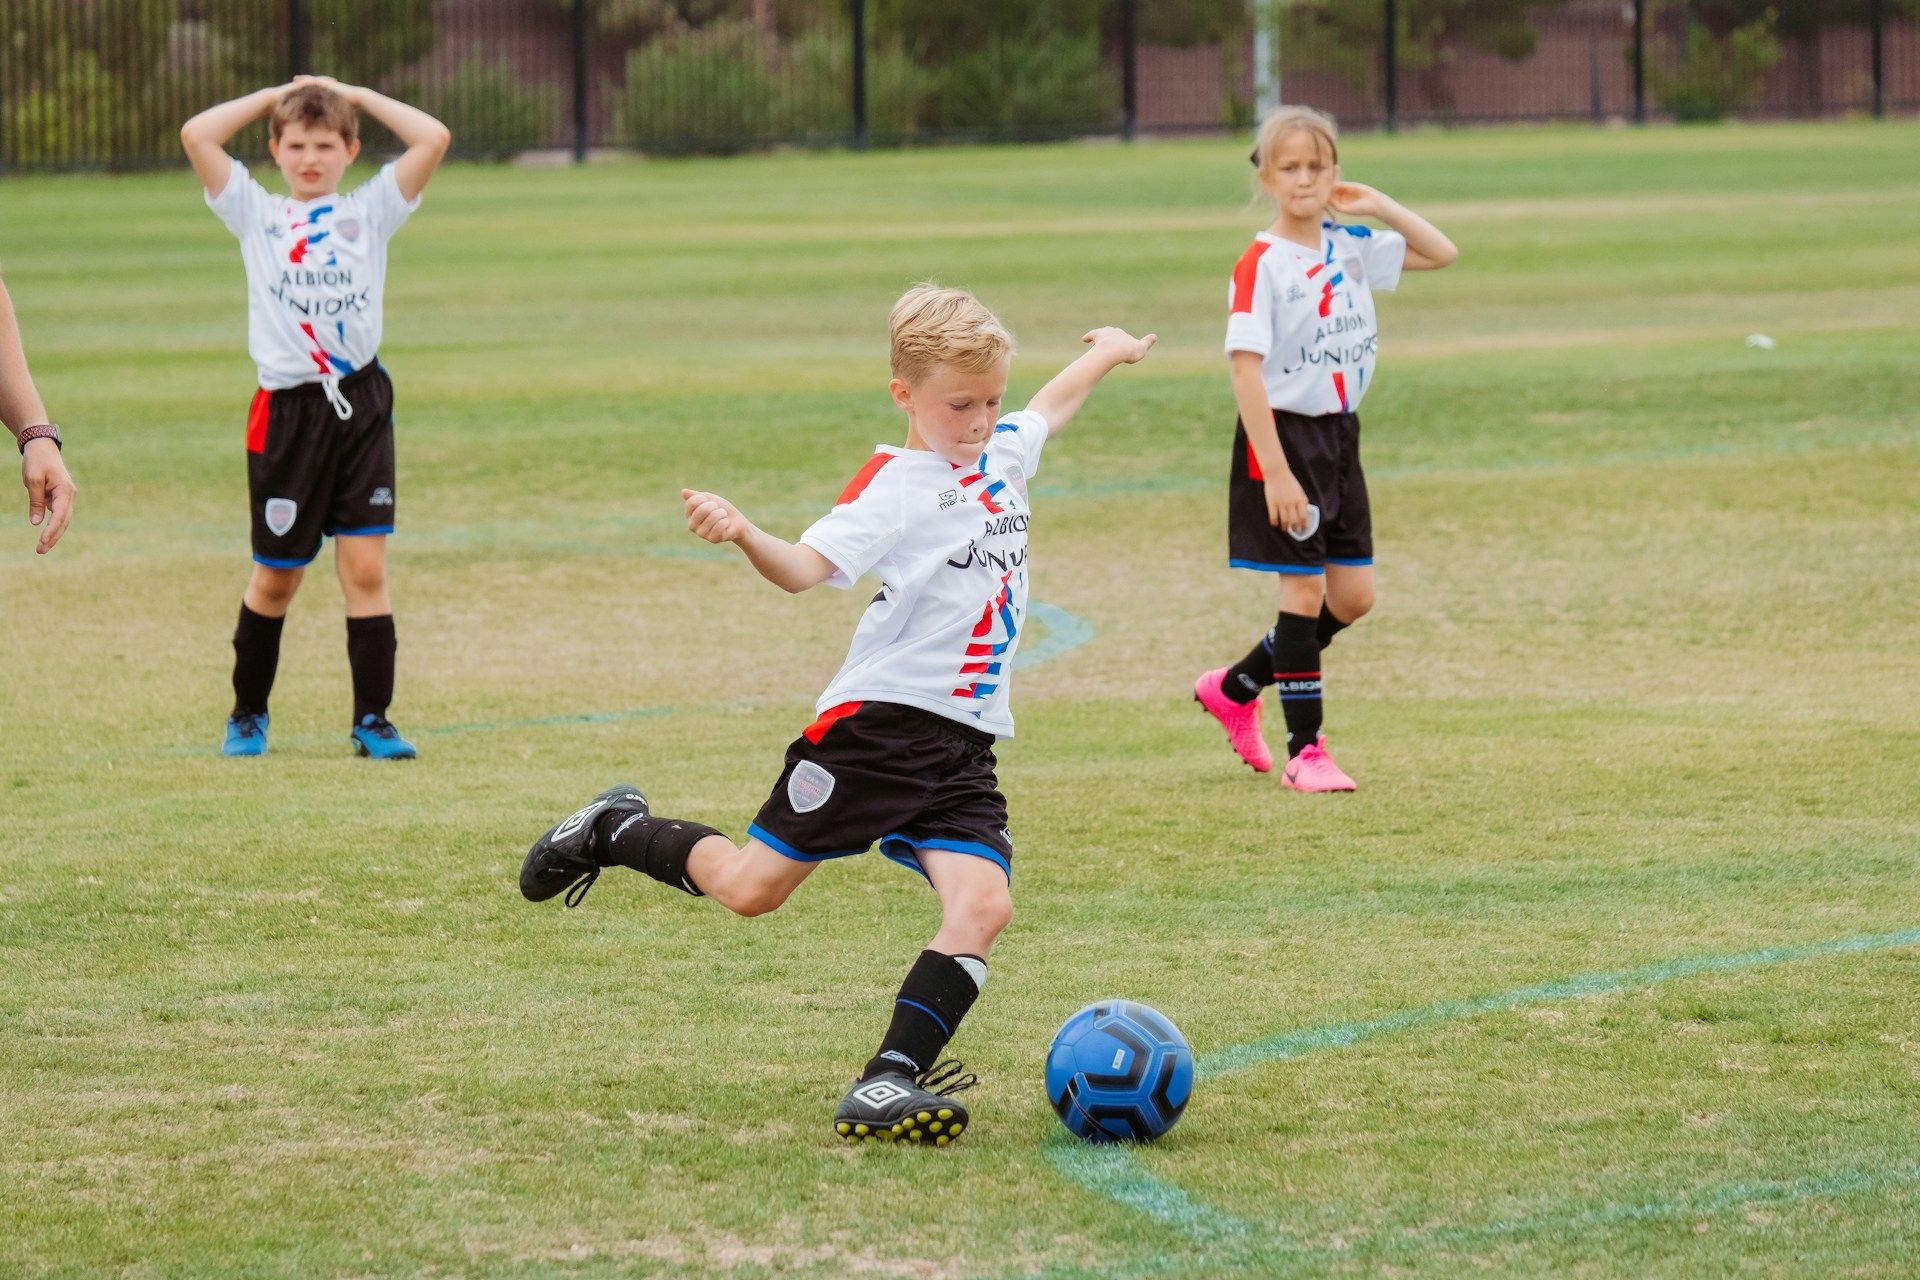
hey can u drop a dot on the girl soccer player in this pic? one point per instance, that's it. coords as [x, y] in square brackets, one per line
[1302, 341]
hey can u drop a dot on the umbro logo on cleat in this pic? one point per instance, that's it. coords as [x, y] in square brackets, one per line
[879, 1093]
[571, 827]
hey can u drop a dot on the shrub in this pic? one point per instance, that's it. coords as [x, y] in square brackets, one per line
[493, 116]
[696, 91]
[1713, 79]
[1045, 87]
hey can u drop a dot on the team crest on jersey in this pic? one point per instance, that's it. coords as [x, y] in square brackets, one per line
[808, 787]
[347, 228]
[1016, 478]
[279, 515]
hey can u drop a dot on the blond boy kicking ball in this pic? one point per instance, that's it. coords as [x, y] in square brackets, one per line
[901, 751]
[320, 430]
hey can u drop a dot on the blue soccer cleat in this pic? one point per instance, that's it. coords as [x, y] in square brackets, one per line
[376, 738]
[246, 736]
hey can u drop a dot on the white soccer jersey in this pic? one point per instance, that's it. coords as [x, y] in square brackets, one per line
[950, 546]
[1309, 314]
[316, 273]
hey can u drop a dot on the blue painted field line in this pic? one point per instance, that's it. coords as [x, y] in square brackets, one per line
[1293, 1044]
[1115, 1172]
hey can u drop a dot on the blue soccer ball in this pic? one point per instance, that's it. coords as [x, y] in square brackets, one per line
[1119, 1071]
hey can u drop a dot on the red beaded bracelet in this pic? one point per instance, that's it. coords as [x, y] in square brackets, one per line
[45, 431]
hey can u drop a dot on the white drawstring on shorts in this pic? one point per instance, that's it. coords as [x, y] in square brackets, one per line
[341, 407]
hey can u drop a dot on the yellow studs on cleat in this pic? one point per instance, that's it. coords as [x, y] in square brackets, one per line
[914, 1134]
[843, 1128]
[942, 1140]
[946, 1113]
[955, 1129]
[935, 1126]
[923, 1117]
[860, 1129]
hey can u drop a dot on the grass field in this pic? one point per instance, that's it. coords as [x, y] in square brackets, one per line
[1639, 699]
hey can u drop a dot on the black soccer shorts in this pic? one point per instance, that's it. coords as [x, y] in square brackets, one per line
[1324, 455]
[879, 772]
[313, 474]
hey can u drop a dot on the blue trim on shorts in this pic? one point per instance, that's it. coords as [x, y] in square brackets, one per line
[785, 850]
[945, 844]
[1358, 563]
[273, 563]
[1304, 570]
[368, 532]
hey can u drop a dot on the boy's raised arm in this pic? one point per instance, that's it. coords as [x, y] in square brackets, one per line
[790, 566]
[205, 135]
[1061, 398]
[425, 138]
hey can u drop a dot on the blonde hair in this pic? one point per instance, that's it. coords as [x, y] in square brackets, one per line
[932, 326]
[316, 107]
[1280, 122]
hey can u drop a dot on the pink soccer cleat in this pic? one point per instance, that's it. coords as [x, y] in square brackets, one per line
[1314, 770]
[1240, 720]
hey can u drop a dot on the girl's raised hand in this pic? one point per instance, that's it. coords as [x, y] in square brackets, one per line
[1356, 198]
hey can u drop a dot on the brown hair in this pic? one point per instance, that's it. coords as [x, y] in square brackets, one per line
[933, 326]
[1282, 121]
[317, 107]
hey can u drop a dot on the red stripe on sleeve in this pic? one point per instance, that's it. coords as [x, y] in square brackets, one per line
[858, 485]
[257, 421]
[1243, 276]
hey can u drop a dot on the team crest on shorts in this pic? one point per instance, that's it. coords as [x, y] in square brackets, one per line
[280, 513]
[808, 787]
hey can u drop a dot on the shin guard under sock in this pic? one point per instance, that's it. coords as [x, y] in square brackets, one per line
[1296, 670]
[256, 657]
[1329, 626]
[656, 847]
[1248, 678]
[937, 993]
[371, 647]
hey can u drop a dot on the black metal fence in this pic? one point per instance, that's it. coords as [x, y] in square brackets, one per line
[106, 83]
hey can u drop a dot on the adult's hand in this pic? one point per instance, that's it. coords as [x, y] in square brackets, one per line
[50, 491]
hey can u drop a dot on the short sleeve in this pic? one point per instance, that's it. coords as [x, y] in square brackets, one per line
[1018, 439]
[1383, 253]
[1250, 302]
[239, 201]
[862, 527]
[380, 197]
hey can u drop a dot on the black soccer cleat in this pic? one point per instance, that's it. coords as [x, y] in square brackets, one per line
[896, 1107]
[564, 859]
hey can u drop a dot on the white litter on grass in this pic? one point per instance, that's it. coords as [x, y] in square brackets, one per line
[1760, 340]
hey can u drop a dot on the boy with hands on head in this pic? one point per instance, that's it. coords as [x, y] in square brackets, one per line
[901, 750]
[320, 457]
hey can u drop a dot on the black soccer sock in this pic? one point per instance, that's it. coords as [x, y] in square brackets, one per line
[256, 657]
[937, 993]
[1248, 678]
[1329, 626]
[1296, 669]
[370, 650]
[656, 847]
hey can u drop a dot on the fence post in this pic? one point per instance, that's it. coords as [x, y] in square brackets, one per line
[296, 38]
[1640, 61]
[859, 14]
[580, 81]
[1129, 70]
[1390, 55]
[1879, 21]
